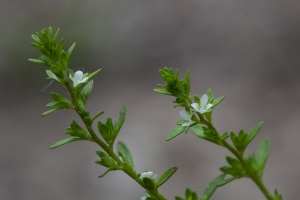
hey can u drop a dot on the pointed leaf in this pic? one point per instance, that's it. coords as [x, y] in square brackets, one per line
[86, 91]
[166, 175]
[212, 187]
[91, 75]
[217, 101]
[64, 141]
[263, 153]
[125, 154]
[119, 123]
[48, 112]
[177, 131]
[253, 132]
[162, 91]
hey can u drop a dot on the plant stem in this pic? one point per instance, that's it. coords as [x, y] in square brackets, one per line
[128, 170]
[257, 180]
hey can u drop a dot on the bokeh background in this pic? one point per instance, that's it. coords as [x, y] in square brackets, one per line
[248, 51]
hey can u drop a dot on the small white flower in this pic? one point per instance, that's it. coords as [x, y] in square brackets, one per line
[78, 78]
[148, 174]
[204, 105]
[186, 116]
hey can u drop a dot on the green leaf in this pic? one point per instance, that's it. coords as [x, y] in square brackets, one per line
[65, 141]
[52, 76]
[104, 131]
[162, 91]
[226, 181]
[107, 161]
[166, 175]
[91, 75]
[210, 94]
[149, 183]
[177, 131]
[125, 154]
[216, 101]
[253, 132]
[212, 187]
[86, 91]
[119, 123]
[78, 131]
[97, 115]
[36, 61]
[200, 131]
[263, 153]
[48, 112]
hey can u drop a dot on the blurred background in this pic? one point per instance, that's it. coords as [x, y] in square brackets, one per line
[247, 51]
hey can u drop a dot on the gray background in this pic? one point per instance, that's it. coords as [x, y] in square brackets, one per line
[247, 51]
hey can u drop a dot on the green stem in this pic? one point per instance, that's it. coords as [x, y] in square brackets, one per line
[125, 168]
[256, 179]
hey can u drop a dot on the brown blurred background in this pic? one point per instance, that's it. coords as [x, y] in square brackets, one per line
[248, 51]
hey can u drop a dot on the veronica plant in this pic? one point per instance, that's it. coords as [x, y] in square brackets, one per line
[195, 116]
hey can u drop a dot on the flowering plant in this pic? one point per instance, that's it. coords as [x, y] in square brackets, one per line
[196, 116]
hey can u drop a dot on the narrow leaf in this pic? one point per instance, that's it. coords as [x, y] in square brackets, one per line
[48, 112]
[125, 154]
[217, 101]
[177, 131]
[64, 141]
[263, 153]
[166, 175]
[119, 123]
[86, 91]
[162, 91]
[253, 132]
[212, 187]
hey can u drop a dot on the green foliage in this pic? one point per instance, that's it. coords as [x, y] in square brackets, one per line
[53, 56]
[197, 116]
[77, 131]
[177, 131]
[166, 175]
[65, 141]
[59, 102]
[109, 131]
[108, 162]
[189, 195]
[125, 154]
[242, 140]
[179, 88]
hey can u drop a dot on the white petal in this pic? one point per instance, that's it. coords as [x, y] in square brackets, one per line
[184, 115]
[196, 106]
[204, 100]
[203, 111]
[78, 75]
[208, 106]
[148, 175]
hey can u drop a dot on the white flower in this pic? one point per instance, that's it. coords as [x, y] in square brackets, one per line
[78, 78]
[186, 116]
[148, 174]
[204, 105]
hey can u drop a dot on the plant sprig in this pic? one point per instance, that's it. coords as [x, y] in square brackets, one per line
[197, 117]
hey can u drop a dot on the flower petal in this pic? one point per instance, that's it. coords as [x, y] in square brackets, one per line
[196, 106]
[204, 100]
[184, 115]
[208, 106]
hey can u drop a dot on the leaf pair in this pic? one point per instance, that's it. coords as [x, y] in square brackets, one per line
[59, 102]
[74, 130]
[109, 131]
[242, 140]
